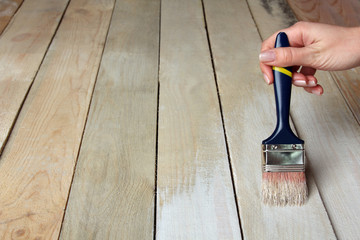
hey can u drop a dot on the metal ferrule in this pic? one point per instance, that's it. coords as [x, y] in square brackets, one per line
[283, 157]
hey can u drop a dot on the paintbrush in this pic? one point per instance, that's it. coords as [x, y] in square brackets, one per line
[283, 154]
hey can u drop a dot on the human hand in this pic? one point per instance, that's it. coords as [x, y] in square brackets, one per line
[314, 46]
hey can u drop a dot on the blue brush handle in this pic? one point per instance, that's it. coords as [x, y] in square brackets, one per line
[282, 88]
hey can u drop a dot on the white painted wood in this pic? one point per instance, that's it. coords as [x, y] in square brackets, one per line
[195, 198]
[332, 137]
[112, 195]
[249, 111]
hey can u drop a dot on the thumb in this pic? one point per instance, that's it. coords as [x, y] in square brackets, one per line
[286, 56]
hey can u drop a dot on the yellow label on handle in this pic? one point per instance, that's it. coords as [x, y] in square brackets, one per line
[283, 70]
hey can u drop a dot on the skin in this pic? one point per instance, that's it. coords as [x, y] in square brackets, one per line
[314, 46]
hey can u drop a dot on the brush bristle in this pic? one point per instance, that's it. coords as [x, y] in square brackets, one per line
[284, 188]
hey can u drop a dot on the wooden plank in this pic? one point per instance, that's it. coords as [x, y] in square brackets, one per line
[278, 10]
[340, 12]
[331, 135]
[344, 13]
[7, 10]
[249, 113]
[22, 48]
[349, 85]
[195, 198]
[115, 176]
[36, 167]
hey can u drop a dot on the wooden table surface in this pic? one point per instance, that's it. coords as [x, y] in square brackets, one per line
[132, 119]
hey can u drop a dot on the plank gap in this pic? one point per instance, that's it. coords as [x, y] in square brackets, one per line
[156, 153]
[157, 127]
[253, 18]
[222, 119]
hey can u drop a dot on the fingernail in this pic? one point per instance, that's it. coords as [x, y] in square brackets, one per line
[267, 56]
[300, 83]
[267, 80]
[312, 83]
[316, 92]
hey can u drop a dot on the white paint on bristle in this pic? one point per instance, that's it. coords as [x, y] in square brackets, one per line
[284, 188]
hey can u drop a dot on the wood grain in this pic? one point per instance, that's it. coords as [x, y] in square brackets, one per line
[343, 13]
[37, 164]
[331, 134]
[112, 195]
[195, 198]
[7, 10]
[340, 12]
[249, 112]
[22, 48]
[349, 85]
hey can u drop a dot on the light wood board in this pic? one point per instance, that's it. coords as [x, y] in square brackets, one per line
[7, 10]
[195, 198]
[332, 139]
[339, 12]
[248, 105]
[22, 48]
[349, 85]
[37, 164]
[112, 195]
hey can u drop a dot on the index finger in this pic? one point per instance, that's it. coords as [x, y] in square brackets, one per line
[294, 33]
